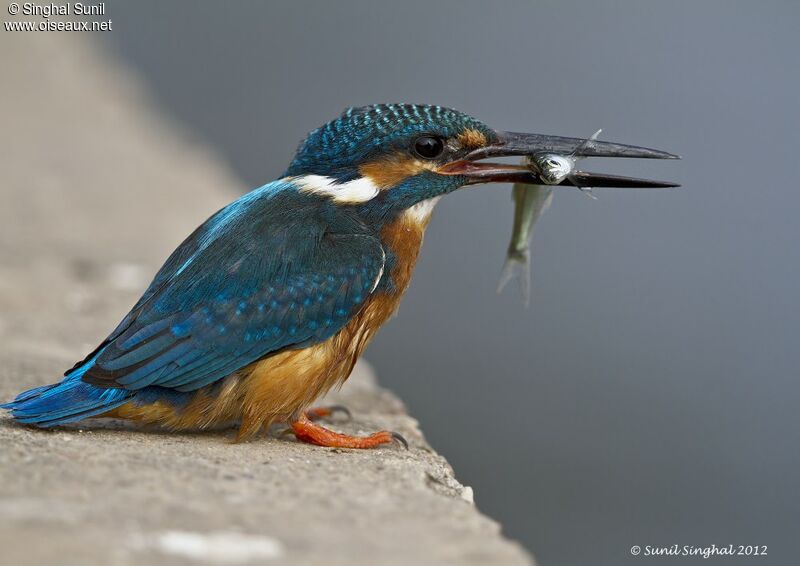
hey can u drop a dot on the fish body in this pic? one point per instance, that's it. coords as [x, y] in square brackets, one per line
[530, 202]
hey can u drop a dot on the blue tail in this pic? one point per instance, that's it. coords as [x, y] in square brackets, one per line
[66, 402]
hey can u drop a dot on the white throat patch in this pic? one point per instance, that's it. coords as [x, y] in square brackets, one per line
[355, 191]
[422, 211]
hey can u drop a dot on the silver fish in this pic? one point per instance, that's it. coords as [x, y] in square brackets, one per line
[530, 202]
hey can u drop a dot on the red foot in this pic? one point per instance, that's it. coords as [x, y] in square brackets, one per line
[307, 431]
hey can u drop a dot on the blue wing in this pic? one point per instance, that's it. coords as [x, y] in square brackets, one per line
[276, 269]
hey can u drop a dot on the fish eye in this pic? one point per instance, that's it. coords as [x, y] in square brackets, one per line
[428, 147]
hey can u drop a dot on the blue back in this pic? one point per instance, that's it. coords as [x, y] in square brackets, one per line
[275, 269]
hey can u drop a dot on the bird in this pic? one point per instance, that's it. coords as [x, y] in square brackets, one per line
[270, 302]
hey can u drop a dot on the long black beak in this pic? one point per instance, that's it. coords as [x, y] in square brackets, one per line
[516, 144]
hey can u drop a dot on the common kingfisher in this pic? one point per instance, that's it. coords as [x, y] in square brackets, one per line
[270, 302]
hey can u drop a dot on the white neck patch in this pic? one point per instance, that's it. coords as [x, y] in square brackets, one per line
[358, 190]
[422, 211]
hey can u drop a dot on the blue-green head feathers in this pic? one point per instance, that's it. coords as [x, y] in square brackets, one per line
[384, 157]
[364, 133]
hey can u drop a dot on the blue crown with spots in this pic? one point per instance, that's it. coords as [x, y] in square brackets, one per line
[359, 133]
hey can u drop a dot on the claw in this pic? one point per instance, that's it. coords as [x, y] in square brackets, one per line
[399, 438]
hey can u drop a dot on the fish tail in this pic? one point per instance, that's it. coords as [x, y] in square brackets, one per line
[519, 264]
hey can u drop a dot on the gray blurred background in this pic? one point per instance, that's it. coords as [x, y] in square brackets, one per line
[649, 395]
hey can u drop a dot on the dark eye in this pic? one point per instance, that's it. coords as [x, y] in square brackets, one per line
[428, 147]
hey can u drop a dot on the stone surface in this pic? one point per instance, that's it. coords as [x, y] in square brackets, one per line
[97, 189]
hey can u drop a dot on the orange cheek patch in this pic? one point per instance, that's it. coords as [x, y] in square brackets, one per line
[391, 171]
[472, 139]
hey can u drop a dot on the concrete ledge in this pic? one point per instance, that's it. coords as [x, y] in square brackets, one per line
[97, 189]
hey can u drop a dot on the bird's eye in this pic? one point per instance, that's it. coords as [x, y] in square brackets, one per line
[428, 147]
